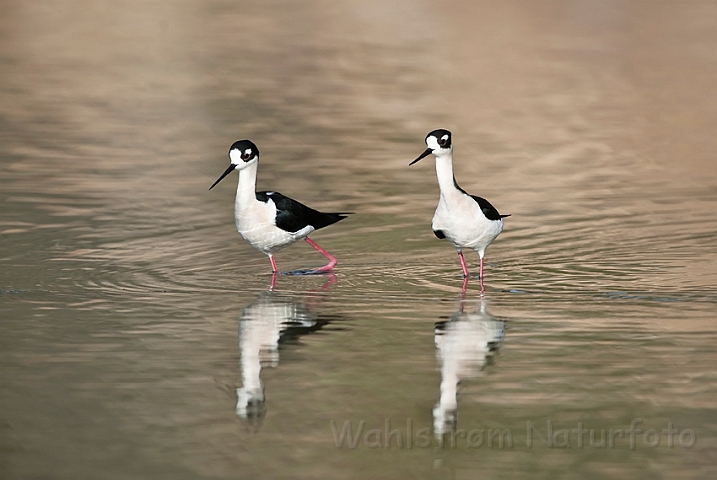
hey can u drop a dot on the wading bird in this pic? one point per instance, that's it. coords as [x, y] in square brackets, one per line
[269, 221]
[464, 220]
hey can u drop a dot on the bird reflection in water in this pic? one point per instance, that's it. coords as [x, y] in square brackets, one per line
[270, 320]
[465, 344]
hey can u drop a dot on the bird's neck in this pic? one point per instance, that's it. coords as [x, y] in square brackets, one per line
[246, 190]
[444, 172]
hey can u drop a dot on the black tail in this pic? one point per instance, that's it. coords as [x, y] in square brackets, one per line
[325, 219]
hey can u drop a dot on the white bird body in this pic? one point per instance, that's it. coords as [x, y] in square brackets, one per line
[256, 220]
[477, 235]
[459, 216]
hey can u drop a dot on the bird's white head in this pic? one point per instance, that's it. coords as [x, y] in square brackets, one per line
[241, 154]
[439, 144]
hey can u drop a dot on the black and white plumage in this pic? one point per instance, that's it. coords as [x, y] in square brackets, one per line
[467, 221]
[270, 221]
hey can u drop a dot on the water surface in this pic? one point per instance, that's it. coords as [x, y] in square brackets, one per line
[141, 338]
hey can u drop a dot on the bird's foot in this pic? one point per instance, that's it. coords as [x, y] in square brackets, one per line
[318, 271]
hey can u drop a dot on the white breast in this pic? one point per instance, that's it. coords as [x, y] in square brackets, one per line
[464, 224]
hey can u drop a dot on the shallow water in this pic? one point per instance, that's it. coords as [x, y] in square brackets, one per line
[138, 335]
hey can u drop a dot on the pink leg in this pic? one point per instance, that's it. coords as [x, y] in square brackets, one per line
[463, 291]
[273, 282]
[273, 264]
[332, 261]
[463, 264]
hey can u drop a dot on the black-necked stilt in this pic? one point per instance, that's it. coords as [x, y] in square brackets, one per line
[269, 221]
[464, 220]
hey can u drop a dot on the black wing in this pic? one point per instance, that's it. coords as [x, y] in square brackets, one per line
[292, 216]
[488, 210]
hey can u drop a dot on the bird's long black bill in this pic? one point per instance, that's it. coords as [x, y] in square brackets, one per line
[424, 154]
[226, 172]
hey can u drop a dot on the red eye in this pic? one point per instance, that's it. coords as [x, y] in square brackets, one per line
[442, 142]
[245, 156]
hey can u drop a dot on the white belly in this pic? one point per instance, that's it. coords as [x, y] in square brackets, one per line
[255, 224]
[464, 224]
